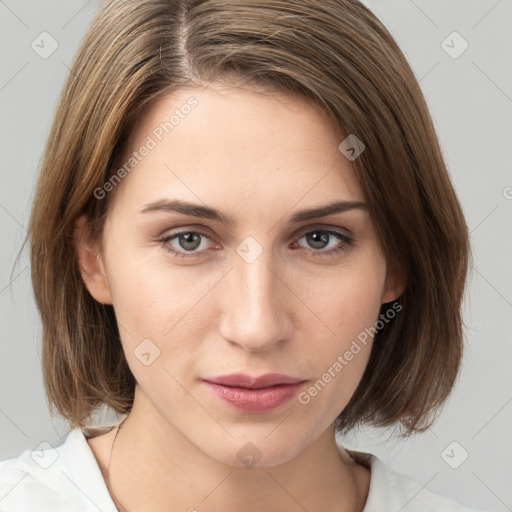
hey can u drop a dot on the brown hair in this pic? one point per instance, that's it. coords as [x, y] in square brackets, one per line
[335, 53]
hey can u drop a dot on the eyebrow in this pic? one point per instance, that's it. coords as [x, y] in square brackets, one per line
[205, 212]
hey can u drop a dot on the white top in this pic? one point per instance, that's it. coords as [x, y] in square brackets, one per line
[68, 479]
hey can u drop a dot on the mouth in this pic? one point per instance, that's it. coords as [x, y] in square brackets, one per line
[254, 394]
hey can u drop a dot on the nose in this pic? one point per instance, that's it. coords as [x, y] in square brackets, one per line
[256, 308]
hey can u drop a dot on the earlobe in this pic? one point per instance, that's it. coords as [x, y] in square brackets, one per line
[90, 263]
[394, 287]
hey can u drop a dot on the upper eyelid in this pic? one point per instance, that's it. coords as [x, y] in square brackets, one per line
[303, 229]
[323, 227]
[299, 233]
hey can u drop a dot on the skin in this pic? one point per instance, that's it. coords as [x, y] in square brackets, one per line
[260, 158]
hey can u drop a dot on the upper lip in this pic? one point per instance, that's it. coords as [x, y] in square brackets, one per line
[246, 381]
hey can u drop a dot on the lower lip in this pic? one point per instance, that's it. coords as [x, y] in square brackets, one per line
[255, 400]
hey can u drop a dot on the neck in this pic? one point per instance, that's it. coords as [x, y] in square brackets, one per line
[153, 465]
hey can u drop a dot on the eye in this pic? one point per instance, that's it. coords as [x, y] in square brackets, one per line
[188, 242]
[320, 239]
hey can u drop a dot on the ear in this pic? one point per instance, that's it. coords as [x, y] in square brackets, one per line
[394, 286]
[90, 262]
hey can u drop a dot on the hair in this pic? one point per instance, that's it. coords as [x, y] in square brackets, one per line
[336, 54]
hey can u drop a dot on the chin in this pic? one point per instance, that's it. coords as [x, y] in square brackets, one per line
[261, 451]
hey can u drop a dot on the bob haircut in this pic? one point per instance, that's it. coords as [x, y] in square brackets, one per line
[337, 55]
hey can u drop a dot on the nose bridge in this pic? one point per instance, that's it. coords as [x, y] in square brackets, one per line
[255, 313]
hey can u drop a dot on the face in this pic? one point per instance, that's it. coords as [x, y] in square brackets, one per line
[198, 297]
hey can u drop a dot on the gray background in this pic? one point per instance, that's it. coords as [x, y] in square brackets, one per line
[470, 98]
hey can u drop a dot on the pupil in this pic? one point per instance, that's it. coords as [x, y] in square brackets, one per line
[189, 239]
[319, 237]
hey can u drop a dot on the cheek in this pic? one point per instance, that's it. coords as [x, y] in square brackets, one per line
[348, 307]
[348, 299]
[155, 314]
[340, 357]
[150, 296]
[163, 313]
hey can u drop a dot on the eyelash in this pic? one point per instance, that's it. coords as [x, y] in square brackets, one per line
[348, 242]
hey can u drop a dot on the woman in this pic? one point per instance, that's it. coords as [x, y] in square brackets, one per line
[244, 240]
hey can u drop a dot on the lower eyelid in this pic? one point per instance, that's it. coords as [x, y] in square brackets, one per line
[167, 239]
[345, 240]
[346, 243]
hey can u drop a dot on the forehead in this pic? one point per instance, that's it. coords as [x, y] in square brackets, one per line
[225, 144]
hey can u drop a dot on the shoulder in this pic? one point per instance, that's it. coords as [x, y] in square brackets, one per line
[391, 491]
[34, 480]
[63, 478]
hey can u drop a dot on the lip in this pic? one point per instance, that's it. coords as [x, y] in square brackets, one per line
[254, 394]
[246, 381]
